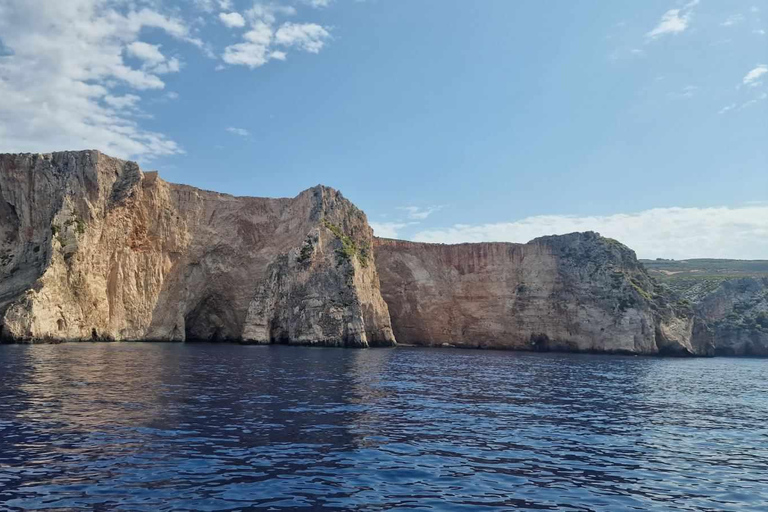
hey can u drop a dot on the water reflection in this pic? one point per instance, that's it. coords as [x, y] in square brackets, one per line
[212, 427]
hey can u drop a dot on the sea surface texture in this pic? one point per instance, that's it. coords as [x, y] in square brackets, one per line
[134, 426]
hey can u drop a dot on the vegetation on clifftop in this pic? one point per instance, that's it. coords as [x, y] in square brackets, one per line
[349, 247]
[694, 279]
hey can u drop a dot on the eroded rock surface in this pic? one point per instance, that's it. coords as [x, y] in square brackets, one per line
[92, 248]
[734, 317]
[578, 292]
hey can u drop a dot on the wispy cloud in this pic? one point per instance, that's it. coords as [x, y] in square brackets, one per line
[242, 132]
[760, 97]
[212, 5]
[388, 229]
[689, 91]
[752, 78]
[674, 21]
[732, 20]
[419, 212]
[734, 107]
[661, 232]
[318, 3]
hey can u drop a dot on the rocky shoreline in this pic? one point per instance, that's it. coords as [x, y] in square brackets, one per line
[94, 249]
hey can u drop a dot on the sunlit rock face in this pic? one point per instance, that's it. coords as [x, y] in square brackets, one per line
[93, 248]
[578, 292]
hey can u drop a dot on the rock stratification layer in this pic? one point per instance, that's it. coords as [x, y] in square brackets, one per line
[578, 292]
[92, 248]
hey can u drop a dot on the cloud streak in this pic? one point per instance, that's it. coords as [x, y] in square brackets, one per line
[388, 229]
[241, 132]
[752, 79]
[740, 233]
[419, 212]
[674, 21]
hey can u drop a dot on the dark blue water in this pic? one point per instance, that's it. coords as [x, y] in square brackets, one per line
[207, 427]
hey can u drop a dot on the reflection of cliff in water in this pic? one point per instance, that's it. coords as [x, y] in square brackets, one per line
[74, 403]
[153, 404]
[314, 396]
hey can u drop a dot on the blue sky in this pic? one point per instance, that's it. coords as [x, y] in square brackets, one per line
[444, 120]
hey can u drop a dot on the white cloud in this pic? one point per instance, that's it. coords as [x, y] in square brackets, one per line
[674, 21]
[732, 20]
[242, 132]
[74, 73]
[319, 3]
[154, 60]
[662, 232]
[760, 97]
[752, 78]
[254, 51]
[149, 53]
[232, 19]
[66, 58]
[418, 212]
[727, 108]
[759, 31]
[268, 13]
[387, 229]
[121, 102]
[212, 5]
[309, 37]
[687, 92]
[259, 43]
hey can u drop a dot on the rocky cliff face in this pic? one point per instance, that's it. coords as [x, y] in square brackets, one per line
[92, 248]
[578, 292]
[734, 317]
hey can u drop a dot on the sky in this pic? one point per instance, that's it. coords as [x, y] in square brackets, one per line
[444, 120]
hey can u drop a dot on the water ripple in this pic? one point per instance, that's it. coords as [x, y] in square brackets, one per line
[203, 427]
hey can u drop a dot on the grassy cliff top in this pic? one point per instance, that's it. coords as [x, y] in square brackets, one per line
[704, 274]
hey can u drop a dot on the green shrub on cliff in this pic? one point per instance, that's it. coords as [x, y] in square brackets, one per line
[306, 250]
[349, 248]
[79, 226]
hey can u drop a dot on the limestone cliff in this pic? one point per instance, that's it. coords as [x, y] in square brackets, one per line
[92, 248]
[734, 317]
[578, 292]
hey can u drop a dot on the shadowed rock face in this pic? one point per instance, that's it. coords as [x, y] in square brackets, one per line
[578, 292]
[92, 248]
[734, 317]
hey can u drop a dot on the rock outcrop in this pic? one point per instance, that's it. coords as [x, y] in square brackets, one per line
[578, 292]
[93, 248]
[734, 317]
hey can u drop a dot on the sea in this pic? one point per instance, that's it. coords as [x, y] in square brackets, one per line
[156, 427]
